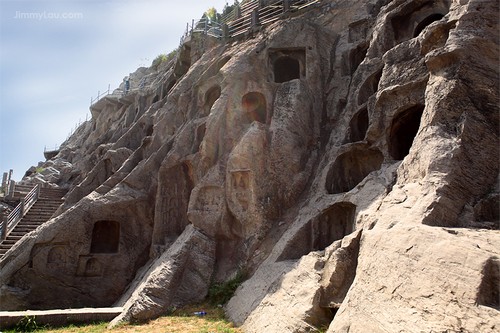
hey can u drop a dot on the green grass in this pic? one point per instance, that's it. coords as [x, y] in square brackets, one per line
[180, 320]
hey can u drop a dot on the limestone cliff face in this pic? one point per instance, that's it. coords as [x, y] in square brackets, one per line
[346, 158]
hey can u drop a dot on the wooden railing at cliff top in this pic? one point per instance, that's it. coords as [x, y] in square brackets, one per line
[246, 16]
[9, 222]
[242, 19]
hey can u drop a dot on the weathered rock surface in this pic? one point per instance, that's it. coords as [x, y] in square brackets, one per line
[346, 158]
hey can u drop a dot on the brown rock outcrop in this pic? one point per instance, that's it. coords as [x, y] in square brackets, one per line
[346, 158]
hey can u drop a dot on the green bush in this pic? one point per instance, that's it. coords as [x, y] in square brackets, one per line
[221, 292]
[27, 324]
[161, 58]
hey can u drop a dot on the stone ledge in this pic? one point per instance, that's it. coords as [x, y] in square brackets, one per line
[59, 317]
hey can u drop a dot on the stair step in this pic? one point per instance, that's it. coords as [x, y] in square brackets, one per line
[12, 238]
[42, 211]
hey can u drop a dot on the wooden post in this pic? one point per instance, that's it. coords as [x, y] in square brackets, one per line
[22, 208]
[225, 31]
[10, 190]
[3, 232]
[286, 5]
[4, 182]
[237, 12]
[255, 18]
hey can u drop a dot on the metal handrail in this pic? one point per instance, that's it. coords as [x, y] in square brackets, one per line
[10, 221]
[99, 95]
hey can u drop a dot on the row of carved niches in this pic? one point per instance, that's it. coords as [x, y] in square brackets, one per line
[352, 166]
[105, 241]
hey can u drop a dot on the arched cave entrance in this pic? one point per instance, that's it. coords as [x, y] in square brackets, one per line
[369, 87]
[427, 21]
[105, 237]
[331, 225]
[352, 59]
[351, 167]
[358, 126]
[415, 16]
[286, 69]
[255, 107]
[211, 96]
[403, 130]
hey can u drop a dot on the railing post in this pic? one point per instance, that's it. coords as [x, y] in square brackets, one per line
[4, 182]
[255, 18]
[22, 203]
[237, 12]
[10, 190]
[225, 31]
[3, 232]
[286, 5]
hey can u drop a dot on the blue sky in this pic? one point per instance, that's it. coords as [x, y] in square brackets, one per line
[55, 55]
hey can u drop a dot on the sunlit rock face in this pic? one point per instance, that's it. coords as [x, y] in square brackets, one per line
[345, 158]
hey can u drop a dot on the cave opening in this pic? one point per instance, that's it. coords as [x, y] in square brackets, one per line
[356, 57]
[369, 87]
[155, 99]
[427, 21]
[255, 106]
[286, 69]
[211, 96]
[333, 224]
[350, 168]
[414, 17]
[403, 130]
[105, 237]
[358, 126]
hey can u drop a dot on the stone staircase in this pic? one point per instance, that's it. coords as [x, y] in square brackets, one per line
[40, 212]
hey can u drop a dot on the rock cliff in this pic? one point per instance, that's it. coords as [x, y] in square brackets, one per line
[346, 158]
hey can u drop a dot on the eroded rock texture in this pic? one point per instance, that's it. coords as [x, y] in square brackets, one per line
[345, 158]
